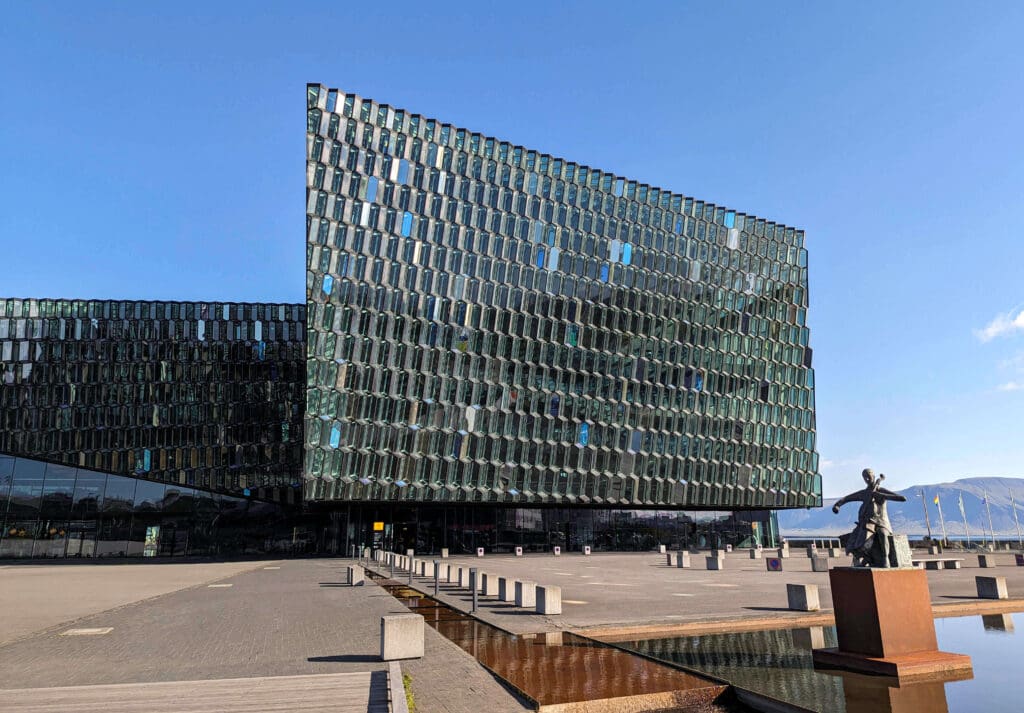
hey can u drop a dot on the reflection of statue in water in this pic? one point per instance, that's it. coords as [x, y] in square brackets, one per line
[869, 541]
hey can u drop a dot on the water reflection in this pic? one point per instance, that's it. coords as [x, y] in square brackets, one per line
[997, 622]
[778, 663]
[559, 667]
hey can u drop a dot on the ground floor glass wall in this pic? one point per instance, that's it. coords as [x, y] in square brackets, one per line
[461, 529]
[49, 510]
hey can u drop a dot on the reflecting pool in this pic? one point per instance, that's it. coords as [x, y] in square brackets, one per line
[778, 664]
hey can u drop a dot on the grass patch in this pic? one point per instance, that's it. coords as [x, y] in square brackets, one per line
[409, 700]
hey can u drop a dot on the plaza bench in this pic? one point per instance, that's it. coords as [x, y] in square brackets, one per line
[938, 563]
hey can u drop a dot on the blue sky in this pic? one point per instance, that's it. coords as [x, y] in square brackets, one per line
[156, 151]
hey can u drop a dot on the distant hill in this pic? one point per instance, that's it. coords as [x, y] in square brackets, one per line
[908, 517]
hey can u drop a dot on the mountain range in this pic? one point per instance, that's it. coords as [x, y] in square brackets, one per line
[909, 518]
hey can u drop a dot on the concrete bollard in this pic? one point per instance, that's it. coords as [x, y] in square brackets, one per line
[489, 584]
[1019, 560]
[662, 549]
[728, 548]
[991, 587]
[668, 558]
[951, 564]
[479, 551]
[446, 572]
[429, 569]
[934, 550]
[557, 551]
[986, 561]
[519, 551]
[803, 597]
[549, 599]
[683, 560]
[715, 562]
[401, 637]
[356, 576]
[810, 638]
[526, 594]
[464, 577]
[506, 589]
[719, 553]
[410, 553]
[819, 564]
[423, 568]
[812, 551]
[783, 553]
[586, 550]
[366, 553]
[835, 552]
[444, 553]
[755, 554]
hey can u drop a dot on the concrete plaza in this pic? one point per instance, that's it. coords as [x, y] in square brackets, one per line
[605, 594]
[239, 627]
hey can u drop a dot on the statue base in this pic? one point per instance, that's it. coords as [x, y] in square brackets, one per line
[884, 625]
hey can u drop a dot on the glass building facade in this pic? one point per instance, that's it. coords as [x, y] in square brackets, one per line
[490, 324]
[50, 510]
[499, 348]
[206, 395]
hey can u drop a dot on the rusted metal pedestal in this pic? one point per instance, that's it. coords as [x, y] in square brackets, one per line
[884, 625]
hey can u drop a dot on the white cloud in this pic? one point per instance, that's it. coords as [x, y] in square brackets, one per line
[1014, 363]
[1006, 323]
[1011, 386]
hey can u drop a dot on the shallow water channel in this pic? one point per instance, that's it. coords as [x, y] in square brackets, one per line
[562, 668]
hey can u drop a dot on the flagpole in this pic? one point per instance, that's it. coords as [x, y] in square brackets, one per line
[963, 514]
[1013, 506]
[945, 540]
[991, 530]
[927, 522]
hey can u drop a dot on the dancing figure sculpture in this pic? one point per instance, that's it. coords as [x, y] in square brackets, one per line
[869, 543]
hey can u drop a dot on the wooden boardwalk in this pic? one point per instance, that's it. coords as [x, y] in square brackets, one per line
[327, 693]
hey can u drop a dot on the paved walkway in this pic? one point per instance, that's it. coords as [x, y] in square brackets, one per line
[299, 694]
[45, 595]
[291, 618]
[612, 591]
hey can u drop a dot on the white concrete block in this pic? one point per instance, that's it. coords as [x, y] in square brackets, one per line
[557, 551]
[526, 594]
[549, 599]
[683, 560]
[479, 551]
[755, 554]
[401, 636]
[986, 561]
[489, 584]
[586, 549]
[819, 564]
[444, 553]
[519, 551]
[356, 575]
[991, 587]
[506, 589]
[803, 597]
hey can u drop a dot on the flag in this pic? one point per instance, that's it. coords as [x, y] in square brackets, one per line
[962, 513]
[936, 500]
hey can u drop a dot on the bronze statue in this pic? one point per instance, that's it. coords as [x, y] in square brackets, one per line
[869, 541]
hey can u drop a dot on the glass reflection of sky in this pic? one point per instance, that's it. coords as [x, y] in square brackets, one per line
[778, 663]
